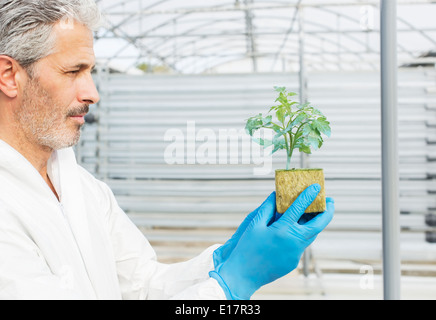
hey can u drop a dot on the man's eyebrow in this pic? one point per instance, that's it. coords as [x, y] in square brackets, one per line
[84, 66]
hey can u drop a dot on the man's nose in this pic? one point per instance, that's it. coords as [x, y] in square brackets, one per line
[88, 93]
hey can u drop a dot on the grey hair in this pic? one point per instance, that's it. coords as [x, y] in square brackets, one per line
[26, 26]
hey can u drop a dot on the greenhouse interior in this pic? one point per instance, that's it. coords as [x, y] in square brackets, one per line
[178, 81]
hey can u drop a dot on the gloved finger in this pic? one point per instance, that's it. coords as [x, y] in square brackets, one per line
[266, 212]
[223, 252]
[274, 218]
[321, 221]
[250, 217]
[304, 200]
[307, 217]
[241, 229]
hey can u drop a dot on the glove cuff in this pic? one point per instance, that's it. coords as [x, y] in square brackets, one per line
[215, 275]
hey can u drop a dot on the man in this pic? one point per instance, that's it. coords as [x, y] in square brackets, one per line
[62, 234]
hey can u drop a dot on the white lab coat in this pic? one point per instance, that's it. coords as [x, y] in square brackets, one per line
[83, 246]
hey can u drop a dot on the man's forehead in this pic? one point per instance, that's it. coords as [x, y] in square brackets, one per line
[75, 45]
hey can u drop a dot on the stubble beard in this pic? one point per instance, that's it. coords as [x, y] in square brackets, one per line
[44, 122]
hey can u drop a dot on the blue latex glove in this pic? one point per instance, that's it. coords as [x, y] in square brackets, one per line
[267, 246]
[222, 253]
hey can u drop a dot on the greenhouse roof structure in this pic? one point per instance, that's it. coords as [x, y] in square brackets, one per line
[216, 36]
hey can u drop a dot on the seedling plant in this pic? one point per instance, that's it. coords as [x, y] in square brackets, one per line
[296, 126]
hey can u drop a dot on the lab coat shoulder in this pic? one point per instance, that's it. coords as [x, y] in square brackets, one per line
[140, 275]
[122, 232]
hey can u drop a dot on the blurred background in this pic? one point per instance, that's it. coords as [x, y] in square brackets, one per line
[177, 79]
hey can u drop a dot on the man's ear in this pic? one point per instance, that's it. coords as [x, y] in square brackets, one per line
[9, 76]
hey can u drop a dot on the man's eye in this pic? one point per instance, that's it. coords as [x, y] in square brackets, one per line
[73, 72]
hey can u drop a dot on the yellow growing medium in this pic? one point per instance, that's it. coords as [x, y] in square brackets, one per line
[291, 183]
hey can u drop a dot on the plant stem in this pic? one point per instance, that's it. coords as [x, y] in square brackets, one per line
[288, 163]
[300, 127]
[291, 150]
[287, 152]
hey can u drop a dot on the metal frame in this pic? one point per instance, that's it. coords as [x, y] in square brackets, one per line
[390, 164]
[183, 35]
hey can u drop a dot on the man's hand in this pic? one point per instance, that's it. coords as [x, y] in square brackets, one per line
[223, 253]
[267, 246]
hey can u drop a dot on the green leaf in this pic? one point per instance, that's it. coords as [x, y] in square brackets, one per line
[276, 128]
[303, 146]
[323, 126]
[313, 138]
[278, 138]
[280, 89]
[304, 106]
[287, 129]
[279, 144]
[266, 121]
[273, 108]
[280, 114]
[282, 99]
[305, 149]
[320, 142]
[263, 142]
[254, 124]
[306, 129]
[299, 119]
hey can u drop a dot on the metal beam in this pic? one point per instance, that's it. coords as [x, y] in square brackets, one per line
[303, 99]
[261, 7]
[250, 38]
[238, 32]
[390, 176]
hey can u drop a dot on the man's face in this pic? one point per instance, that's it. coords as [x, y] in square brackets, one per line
[56, 99]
